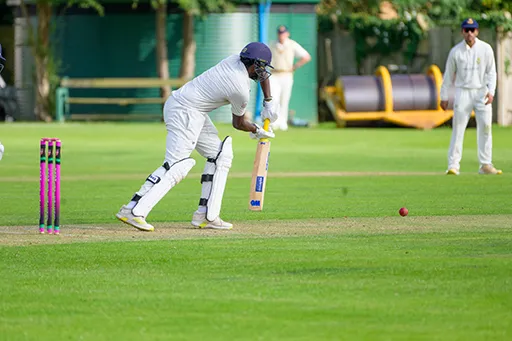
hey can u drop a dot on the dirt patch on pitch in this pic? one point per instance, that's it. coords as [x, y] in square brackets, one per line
[235, 175]
[24, 235]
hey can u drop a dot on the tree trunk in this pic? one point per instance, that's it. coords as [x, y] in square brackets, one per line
[44, 13]
[162, 61]
[188, 53]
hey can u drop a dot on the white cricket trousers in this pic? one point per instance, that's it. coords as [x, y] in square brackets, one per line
[467, 100]
[188, 130]
[281, 84]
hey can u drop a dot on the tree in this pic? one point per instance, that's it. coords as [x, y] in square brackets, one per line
[162, 60]
[191, 9]
[46, 65]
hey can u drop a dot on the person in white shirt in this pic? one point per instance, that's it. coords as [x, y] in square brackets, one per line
[284, 53]
[189, 127]
[472, 70]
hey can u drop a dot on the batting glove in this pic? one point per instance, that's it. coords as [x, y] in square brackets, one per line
[270, 111]
[262, 133]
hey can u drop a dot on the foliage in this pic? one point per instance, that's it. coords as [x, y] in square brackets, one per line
[491, 13]
[495, 19]
[375, 35]
[203, 7]
[196, 7]
[87, 4]
[370, 7]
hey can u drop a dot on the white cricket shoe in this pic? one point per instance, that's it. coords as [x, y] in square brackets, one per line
[452, 171]
[489, 169]
[199, 220]
[126, 216]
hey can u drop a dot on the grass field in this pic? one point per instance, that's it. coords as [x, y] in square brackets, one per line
[329, 258]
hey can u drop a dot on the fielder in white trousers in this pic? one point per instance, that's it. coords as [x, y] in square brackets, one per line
[467, 100]
[281, 84]
[471, 69]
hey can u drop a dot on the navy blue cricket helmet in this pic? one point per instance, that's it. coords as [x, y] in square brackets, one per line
[262, 57]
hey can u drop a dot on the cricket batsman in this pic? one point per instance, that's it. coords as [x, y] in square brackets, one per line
[189, 127]
[471, 68]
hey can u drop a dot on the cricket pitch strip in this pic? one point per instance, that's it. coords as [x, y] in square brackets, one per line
[118, 232]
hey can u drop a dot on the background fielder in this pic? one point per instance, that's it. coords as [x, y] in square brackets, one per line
[189, 127]
[471, 65]
[284, 52]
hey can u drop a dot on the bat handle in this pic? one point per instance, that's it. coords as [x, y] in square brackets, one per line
[266, 124]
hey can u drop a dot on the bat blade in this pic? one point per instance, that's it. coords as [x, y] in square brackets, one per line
[259, 174]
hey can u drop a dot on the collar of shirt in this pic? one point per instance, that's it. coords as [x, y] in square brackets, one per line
[470, 47]
[281, 46]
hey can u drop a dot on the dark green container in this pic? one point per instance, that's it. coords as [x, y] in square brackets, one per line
[122, 44]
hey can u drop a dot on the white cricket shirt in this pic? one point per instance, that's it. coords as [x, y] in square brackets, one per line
[472, 67]
[227, 82]
[284, 54]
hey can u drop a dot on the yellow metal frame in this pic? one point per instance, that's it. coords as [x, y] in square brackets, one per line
[384, 75]
[339, 87]
[422, 119]
[434, 72]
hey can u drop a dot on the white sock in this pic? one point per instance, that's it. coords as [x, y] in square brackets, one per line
[201, 209]
[131, 204]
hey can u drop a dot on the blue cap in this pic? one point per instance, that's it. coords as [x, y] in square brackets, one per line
[469, 23]
[257, 51]
[282, 29]
[1, 57]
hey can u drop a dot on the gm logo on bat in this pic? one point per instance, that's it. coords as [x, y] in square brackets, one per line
[255, 203]
[259, 183]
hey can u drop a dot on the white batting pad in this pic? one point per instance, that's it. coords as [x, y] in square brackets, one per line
[177, 172]
[152, 179]
[222, 166]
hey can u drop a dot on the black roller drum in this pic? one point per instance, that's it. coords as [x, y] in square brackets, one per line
[402, 92]
[424, 92]
[362, 93]
[413, 92]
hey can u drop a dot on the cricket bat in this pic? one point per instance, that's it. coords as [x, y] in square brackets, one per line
[259, 172]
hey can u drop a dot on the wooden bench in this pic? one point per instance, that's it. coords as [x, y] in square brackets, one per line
[63, 99]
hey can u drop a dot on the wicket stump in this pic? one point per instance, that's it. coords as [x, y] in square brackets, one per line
[47, 162]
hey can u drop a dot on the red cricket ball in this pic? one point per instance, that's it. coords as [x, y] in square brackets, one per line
[403, 211]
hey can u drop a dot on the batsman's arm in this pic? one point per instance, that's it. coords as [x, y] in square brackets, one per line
[265, 88]
[239, 100]
[240, 123]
